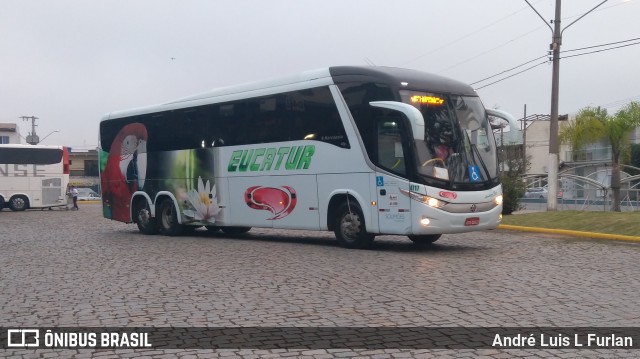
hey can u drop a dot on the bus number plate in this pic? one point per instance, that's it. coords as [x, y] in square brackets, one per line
[472, 221]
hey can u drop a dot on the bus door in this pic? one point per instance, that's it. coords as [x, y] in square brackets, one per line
[394, 206]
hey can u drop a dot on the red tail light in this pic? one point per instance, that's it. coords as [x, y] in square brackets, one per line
[65, 160]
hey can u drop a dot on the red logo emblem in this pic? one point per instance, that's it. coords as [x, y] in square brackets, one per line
[449, 195]
[280, 201]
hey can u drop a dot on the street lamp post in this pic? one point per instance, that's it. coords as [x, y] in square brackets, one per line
[556, 41]
[50, 133]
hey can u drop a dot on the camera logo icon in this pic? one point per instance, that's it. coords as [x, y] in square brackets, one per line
[23, 338]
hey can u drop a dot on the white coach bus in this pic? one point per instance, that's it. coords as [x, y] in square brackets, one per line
[33, 176]
[361, 151]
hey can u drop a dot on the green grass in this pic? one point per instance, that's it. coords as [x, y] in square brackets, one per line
[625, 223]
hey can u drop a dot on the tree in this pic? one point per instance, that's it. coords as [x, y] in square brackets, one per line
[513, 167]
[593, 124]
[635, 155]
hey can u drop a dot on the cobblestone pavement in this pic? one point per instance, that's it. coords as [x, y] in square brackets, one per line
[77, 269]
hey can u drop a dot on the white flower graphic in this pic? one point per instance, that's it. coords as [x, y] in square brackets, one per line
[204, 203]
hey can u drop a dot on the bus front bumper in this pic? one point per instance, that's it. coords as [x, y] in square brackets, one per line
[436, 221]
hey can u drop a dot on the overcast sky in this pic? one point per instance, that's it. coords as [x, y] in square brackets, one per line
[70, 62]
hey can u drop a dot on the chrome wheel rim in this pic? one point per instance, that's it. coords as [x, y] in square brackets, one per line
[167, 218]
[350, 226]
[144, 216]
[18, 203]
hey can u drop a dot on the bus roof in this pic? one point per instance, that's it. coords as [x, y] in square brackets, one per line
[20, 145]
[397, 77]
[392, 76]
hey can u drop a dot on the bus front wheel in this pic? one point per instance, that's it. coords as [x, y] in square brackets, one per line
[350, 228]
[425, 239]
[18, 203]
[146, 223]
[168, 218]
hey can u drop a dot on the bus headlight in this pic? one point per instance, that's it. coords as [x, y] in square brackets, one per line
[433, 202]
[425, 221]
[430, 201]
[498, 200]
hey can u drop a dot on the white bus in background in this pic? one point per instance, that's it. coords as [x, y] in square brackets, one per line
[33, 176]
[360, 151]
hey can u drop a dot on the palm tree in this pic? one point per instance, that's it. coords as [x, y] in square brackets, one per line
[593, 124]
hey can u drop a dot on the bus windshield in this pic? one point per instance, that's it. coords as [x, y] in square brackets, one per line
[458, 151]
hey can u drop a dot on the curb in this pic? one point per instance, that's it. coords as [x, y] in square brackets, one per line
[617, 237]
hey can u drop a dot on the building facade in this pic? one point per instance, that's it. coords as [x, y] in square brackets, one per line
[9, 133]
[84, 168]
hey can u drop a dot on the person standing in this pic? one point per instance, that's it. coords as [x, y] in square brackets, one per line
[69, 198]
[74, 194]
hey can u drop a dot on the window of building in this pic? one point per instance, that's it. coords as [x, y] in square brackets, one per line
[91, 168]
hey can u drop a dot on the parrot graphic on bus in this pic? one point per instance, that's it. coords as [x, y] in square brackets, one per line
[125, 170]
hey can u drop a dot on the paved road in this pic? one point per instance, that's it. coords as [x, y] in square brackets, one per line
[63, 268]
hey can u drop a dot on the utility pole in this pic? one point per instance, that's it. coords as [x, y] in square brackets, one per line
[525, 163]
[32, 138]
[552, 167]
[556, 41]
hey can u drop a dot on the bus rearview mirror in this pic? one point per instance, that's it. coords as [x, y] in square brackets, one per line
[412, 113]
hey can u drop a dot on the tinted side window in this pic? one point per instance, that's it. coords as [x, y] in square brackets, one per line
[108, 131]
[314, 116]
[306, 114]
[358, 96]
[166, 131]
[25, 156]
[254, 120]
[176, 130]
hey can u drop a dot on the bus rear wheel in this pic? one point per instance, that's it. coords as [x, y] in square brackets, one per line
[350, 229]
[168, 219]
[18, 203]
[425, 238]
[146, 223]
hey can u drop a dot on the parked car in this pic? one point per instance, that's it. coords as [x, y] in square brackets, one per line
[536, 192]
[87, 194]
[540, 192]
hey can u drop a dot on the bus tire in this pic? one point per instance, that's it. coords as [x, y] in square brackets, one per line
[425, 238]
[146, 223]
[168, 219]
[1, 203]
[234, 231]
[18, 203]
[349, 228]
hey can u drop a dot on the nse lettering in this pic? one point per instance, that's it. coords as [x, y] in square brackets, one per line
[21, 170]
[272, 158]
